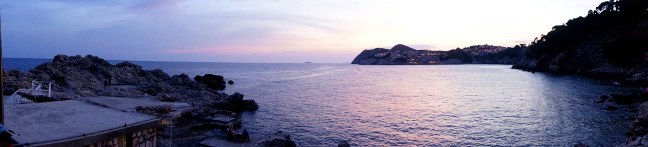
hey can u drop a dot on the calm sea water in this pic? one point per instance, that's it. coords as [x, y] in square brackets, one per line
[434, 105]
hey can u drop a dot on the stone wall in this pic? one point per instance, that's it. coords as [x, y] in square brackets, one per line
[141, 138]
[115, 142]
[144, 138]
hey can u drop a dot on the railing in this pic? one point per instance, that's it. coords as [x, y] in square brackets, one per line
[37, 88]
[16, 98]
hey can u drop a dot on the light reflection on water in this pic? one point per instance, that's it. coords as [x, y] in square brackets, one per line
[449, 105]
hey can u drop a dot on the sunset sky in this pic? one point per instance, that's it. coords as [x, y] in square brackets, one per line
[269, 31]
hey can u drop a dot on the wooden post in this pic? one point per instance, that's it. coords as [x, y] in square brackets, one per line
[1, 75]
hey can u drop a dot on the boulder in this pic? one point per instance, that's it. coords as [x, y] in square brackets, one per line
[581, 145]
[641, 82]
[344, 143]
[235, 97]
[215, 82]
[235, 102]
[639, 126]
[278, 139]
[628, 98]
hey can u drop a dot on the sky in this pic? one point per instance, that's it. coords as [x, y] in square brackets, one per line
[269, 31]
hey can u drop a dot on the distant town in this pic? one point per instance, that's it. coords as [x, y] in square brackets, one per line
[401, 54]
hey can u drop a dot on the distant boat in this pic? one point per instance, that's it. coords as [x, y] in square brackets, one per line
[308, 62]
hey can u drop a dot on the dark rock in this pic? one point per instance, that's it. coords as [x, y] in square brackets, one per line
[625, 99]
[235, 102]
[129, 65]
[77, 76]
[344, 143]
[230, 82]
[639, 126]
[160, 110]
[611, 108]
[604, 97]
[235, 97]
[278, 139]
[215, 82]
[581, 145]
[251, 105]
[641, 82]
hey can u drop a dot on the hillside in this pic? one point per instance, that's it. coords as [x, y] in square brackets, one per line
[476, 54]
[610, 40]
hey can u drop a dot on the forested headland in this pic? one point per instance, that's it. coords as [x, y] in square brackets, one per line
[610, 40]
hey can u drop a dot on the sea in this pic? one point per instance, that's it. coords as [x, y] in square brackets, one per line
[414, 105]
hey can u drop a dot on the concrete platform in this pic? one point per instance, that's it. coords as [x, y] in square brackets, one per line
[42, 122]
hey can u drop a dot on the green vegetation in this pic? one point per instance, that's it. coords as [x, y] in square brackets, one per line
[615, 30]
[509, 55]
[459, 54]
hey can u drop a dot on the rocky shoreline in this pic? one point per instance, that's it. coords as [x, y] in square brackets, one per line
[75, 77]
[635, 101]
[638, 129]
[78, 77]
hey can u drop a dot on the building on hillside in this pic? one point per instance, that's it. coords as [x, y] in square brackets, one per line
[485, 49]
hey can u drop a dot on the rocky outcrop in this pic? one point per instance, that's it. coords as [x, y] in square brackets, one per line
[215, 82]
[638, 131]
[77, 76]
[367, 57]
[279, 139]
[237, 103]
[344, 143]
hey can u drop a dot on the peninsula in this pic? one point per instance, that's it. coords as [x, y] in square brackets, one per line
[476, 54]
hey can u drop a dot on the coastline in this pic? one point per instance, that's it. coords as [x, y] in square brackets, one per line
[243, 82]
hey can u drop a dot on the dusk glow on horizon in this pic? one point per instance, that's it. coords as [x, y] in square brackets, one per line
[270, 31]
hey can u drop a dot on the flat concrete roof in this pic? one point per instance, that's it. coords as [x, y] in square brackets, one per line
[39, 122]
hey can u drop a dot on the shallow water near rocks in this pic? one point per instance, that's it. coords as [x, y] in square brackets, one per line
[434, 105]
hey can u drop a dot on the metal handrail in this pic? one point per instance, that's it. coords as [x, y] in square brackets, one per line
[36, 89]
